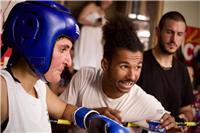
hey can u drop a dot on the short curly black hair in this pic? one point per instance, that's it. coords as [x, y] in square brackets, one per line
[119, 33]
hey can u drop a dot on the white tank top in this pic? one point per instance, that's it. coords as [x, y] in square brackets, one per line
[26, 113]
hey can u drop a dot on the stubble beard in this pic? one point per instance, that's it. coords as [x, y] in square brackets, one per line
[164, 50]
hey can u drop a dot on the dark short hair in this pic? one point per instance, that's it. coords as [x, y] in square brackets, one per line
[119, 33]
[174, 15]
[98, 3]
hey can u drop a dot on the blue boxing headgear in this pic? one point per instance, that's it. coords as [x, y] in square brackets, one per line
[32, 29]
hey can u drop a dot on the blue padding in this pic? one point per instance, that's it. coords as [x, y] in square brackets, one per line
[32, 29]
[80, 116]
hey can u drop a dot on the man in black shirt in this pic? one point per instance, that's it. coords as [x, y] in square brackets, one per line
[162, 74]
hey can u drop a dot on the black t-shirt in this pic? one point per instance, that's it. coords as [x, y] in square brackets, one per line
[171, 87]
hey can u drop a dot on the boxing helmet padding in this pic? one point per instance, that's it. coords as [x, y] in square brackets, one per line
[32, 29]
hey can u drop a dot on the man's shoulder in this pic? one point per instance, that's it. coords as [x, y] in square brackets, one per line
[136, 89]
[148, 57]
[89, 70]
[180, 65]
[89, 73]
[138, 93]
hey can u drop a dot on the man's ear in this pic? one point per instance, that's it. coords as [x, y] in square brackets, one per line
[157, 29]
[104, 64]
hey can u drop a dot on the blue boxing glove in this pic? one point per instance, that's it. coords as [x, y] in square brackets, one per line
[94, 122]
[104, 124]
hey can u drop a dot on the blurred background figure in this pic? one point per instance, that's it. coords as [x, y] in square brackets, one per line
[88, 49]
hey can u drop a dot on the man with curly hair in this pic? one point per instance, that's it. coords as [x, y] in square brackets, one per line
[112, 90]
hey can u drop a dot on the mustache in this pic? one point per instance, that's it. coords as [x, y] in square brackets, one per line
[128, 80]
[172, 42]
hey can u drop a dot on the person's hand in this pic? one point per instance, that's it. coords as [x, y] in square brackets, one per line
[111, 113]
[184, 118]
[168, 122]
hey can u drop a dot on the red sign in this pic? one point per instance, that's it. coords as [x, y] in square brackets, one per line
[5, 56]
[191, 48]
[191, 53]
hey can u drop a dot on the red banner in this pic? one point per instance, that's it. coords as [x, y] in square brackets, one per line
[5, 56]
[191, 48]
[190, 54]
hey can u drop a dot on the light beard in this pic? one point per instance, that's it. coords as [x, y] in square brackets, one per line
[164, 50]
